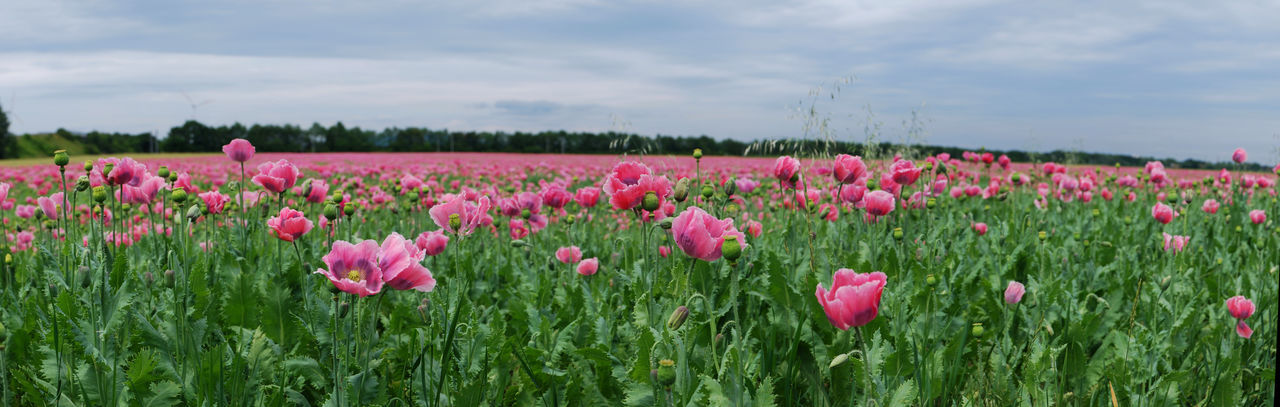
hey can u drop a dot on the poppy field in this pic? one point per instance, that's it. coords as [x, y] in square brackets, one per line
[468, 279]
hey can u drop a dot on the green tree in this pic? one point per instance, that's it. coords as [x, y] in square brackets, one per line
[5, 139]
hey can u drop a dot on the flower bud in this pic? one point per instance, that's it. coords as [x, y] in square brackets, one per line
[1164, 282]
[707, 191]
[518, 243]
[524, 213]
[677, 318]
[838, 360]
[681, 190]
[666, 372]
[897, 233]
[697, 153]
[163, 172]
[178, 195]
[100, 194]
[977, 330]
[82, 183]
[53, 290]
[149, 278]
[731, 249]
[343, 308]
[1042, 235]
[193, 212]
[330, 211]
[665, 223]
[650, 202]
[169, 278]
[930, 203]
[730, 187]
[88, 166]
[82, 275]
[60, 158]
[350, 209]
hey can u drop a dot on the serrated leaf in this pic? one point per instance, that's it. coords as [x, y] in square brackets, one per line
[163, 394]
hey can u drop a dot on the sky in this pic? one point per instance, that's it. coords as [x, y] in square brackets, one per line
[1180, 79]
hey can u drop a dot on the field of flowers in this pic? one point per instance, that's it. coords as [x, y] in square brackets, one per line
[501, 279]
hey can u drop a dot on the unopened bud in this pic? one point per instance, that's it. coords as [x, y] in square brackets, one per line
[838, 360]
[163, 172]
[897, 233]
[677, 318]
[149, 278]
[707, 191]
[681, 190]
[697, 153]
[178, 195]
[60, 158]
[731, 249]
[665, 223]
[82, 183]
[169, 278]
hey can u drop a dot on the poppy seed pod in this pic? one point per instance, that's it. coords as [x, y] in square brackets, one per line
[897, 233]
[707, 191]
[930, 203]
[1042, 235]
[977, 330]
[731, 249]
[349, 209]
[455, 221]
[524, 213]
[60, 158]
[82, 183]
[330, 211]
[570, 219]
[178, 195]
[650, 202]
[677, 318]
[697, 153]
[666, 372]
[163, 172]
[100, 194]
[88, 165]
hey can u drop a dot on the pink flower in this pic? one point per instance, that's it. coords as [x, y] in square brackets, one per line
[1013, 293]
[786, 169]
[25, 211]
[1004, 162]
[1239, 156]
[289, 225]
[848, 169]
[1258, 216]
[854, 299]
[586, 197]
[555, 196]
[354, 268]
[124, 171]
[51, 205]
[1163, 213]
[319, 191]
[239, 150]
[214, 201]
[701, 235]
[276, 176]
[588, 266]
[1174, 242]
[981, 228]
[745, 185]
[401, 265]
[1210, 206]
[905, 172]
[468, 215]
[628, 183]
[1241, 308]
[518, 229]
[432, 242]
[4, 191]
[878, 203]
[753, 228]
[569, 255]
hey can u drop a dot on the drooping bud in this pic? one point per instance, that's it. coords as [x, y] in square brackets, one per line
[60, 158]
[665, 223]
[838, 360]
[650, 202]
[731, 249]
[677, 318]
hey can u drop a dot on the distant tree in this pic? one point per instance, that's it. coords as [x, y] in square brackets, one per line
[5, 139]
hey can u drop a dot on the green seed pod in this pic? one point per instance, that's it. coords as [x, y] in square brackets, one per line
[330, 211]
[697, 153]
[82, 183]
[570, 219]
[455, 221]
[178, 195]
[931, 280]
[88, 165]
[977, 330]
[931, 203]
[707, 191]
[350, 209]
[650, 202]
[872, 184]
[1042, 235]
[60, 158]
[524, 213]
[163, 172]
[731, 249]
[173, 176]
[100, 194]
[677, 318]
[666, 372]
[897, 233]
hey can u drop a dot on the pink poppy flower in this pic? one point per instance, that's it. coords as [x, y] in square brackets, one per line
[878, 203]
[124, 170]
[905, 172]
[786, 170]
[289, 225]
[239, 150]
[1258, 216]
[432, 242]
[588, 266]
[701, 235]
[848, 169]
[1013, 293]
[460, 216]
[1175, 243]
[401, 264]
[1004, 162]
[276, 176]
[628, 183]
[214, 201]
[1210, 206]
[664, 251]
[1239, 156]
[569, 255]
[318, 191]
[1241, 308]
[981, 228]
[555, 196]
[854, 299]
[586, 197]
[1163, 213]
[51, 205]
[354, 268]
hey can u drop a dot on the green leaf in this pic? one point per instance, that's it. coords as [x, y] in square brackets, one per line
[904, 395]
[163, 394]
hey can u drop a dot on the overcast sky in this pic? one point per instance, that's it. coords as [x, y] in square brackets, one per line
[1171, 79]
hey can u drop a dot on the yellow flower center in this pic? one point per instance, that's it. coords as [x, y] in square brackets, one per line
[353, 275]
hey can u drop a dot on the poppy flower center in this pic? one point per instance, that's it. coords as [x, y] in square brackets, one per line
[354, 275]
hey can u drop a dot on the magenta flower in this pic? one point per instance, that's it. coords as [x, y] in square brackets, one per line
[276, 176]
[854, 299]
[401, 264]
[701, 235]
[1210, 206]
[629, 181]
[569, 255]
[354, 268]
[1013, 293]
[432, 242]
[460, 216]
[786, 170]
[905, 172]
[1258, 216]
[124, 171]
[588, 266]
[878, 203]
[1163, 213]
[848, 169]
[1175, 243]
[239, 150]
[289, 225]
[1241, 308]
[981, 228]
[555, 196]
[214, 201]
[587, 197]
[51, 205]
[319, 191]
[1239, 156]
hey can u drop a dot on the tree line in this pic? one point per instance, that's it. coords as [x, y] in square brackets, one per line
[193, 136]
